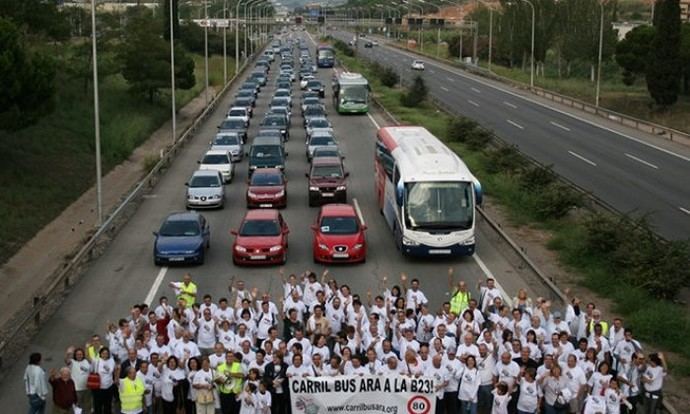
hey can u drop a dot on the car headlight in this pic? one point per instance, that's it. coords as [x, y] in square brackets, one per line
[240, 249]
[252, 167]
[341, 188]
[358, 246]
[275, 248]
[188, 251]
[313, 188]
[250, 194]
[323, 246]
[409, 242]
[190, 197]
[280, 167]
[218, 196]
[280, 193]
[468, 241]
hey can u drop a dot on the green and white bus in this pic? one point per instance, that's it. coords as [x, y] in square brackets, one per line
[350, 93]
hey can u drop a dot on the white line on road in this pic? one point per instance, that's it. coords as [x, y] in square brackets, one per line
[432, 72]
[684, 210]
[471, 102]
[509, 104]
[373, 121]
[359, 211]
[556, 124]
[515, 124]
[576, 155]
[444, 88]
[156, 285]
[476, 90]
[450, 79]
[641, 161]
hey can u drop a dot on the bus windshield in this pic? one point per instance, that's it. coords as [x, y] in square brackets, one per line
[438, 205]
[354, 94]
[325, 53]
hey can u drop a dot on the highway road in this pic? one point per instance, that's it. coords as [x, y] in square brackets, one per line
[125, 273]
[629, 172]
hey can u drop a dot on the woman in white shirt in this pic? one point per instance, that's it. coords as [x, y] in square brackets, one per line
[172, 377]
[599, 380]
[557, 395]
[469, 385]
[247, 399]
[192, 367]
[412, 366]
[202, 383]
[528, 400]
[653, 380]
[79, 368]
[104, 366]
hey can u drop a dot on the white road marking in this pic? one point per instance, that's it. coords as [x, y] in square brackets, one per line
[359, 211]
[471, 102]
[515, 124]
[641, 161]
[432, 72]
[156, 285]
[373, 121]
[450, 79]
[684, 210]
[476, 90]
[556, 124]
[576, 155]
[509, 104]
[444, 88]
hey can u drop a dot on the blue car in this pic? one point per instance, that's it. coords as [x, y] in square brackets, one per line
[182, 238]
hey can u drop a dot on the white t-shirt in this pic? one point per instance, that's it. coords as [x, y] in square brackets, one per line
[576, 378]
[263, 403]
[598, 382]
[613, 401]
[206, 336]
[440, 376]
[415, 298]
[656, 375]
[529, 396]
[105, 369]
[507, 373]
[300, 371]
[500, 403]
[469, 385]
[80, 373]
[168, 380]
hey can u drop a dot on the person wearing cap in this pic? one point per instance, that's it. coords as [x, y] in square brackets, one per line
[557, 324]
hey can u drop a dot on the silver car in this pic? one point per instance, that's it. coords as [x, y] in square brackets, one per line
[218, 161]
[229, 142]
[319, 139]
[205, 190]
[318, 124]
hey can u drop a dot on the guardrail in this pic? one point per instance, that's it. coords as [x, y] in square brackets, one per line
[33, 315]
[613, 116]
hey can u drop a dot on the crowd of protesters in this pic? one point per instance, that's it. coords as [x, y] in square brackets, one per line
[233, 355]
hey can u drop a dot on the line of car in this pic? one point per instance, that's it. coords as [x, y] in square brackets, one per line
[262, 236]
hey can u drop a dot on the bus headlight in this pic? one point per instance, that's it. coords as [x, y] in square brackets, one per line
[409, 242]
[468, 242]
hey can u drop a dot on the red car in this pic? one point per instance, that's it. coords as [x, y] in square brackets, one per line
[267, 189]
[339, 235]
[261, 239]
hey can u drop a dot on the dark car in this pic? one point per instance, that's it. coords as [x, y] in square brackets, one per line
[368, 45]
[235, 125]
[315, 85]
[327, 181]
[313, 111]
[182, 238]
[277, 122]
[259, 76]
[245, 103]
[248, 95]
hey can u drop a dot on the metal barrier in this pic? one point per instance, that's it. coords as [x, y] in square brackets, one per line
[62, 280]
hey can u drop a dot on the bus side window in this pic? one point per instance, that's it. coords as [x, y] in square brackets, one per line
[385, 158]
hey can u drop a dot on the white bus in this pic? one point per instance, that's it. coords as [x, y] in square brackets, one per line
[426, 193]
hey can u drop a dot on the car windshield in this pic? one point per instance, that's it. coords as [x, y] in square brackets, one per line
[215, 159]
[204, 181]
[265, 151]
[327, 171]
[273, 121]
[179, 228]
[319, 123]
[354, 94]
[260, 228]
[259, 179]
[314, 84]
[245, 93]
[314, 110]
[258, 75]
[232, 124]
[282, 93]
[339, 225]
[312, 101]
[439, 205]
[326, 152]
[325, 140]
[226, 140]
[237, 112]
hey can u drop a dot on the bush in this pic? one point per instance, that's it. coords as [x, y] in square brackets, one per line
[344, 48]
[478, 139]
[603, 234]
[416, 94]
[535, 178]
[504, 160]
[556, 200]
[388, 77]
[459, 128]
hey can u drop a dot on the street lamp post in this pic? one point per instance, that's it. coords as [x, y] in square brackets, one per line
[172, 74]
[96, 118]
[531, 60]
[237, 37]
[206, 23]
[225, 42]
[438, 33]
[601, 51]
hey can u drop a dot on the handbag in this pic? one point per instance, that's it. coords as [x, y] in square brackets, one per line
[93, 381]
[204, 396]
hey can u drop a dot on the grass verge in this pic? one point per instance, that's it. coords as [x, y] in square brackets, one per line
[507, 179]
[47, 166]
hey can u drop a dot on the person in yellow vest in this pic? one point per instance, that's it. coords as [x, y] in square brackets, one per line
[132, 391]
[460, 299]
[596, 319]
[185, 290]
[229, 377]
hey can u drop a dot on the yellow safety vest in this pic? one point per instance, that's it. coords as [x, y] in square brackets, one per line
[231, 385]
[132, 394]
[460, 301]
[604, 327]
[187, 293]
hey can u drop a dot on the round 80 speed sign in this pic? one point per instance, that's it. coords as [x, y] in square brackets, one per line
[418, 405]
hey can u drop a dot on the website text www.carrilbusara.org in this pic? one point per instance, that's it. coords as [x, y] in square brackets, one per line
[363, 408]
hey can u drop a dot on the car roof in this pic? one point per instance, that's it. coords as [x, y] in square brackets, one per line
[267, 171]
[216, 152]
[322, 132]
[205, 173]
[267, 140]
[338, 209]
[327, 161]
[238, 108]
[325, 148]
[261, 214]
[183, 216]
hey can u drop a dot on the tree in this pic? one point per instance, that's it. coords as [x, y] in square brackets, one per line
[145, 57]
[664, 63]
[685, 56]
[415, 94]
[632, 52]
[26, 80]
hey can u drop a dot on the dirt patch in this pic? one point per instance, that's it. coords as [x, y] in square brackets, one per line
[533, 241]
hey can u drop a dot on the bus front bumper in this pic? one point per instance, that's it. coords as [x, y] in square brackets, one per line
[454, 250]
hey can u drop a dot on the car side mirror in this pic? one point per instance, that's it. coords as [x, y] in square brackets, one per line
[186, 184]
[198, 162]
[234, 232]
[306, 175]
[286, 231]
[347, 174]
[364, 227]
[155, 233]
[314, 227]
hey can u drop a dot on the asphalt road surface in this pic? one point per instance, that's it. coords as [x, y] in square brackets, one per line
[125, 273]
[626, 172]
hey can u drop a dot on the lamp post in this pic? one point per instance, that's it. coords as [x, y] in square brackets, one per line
[491, 28]
[206, 23]
[601, 51]
[172, 74]
[531, 63]
[225, 42]
[237, 37]
[438, 32]
[96, 118]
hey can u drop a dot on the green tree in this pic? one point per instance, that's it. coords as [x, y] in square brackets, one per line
[632, 52]
[685, 56]
[416, 94]
[26, 80]
[664, 63]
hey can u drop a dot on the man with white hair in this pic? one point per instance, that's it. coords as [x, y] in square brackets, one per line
[64, 391]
